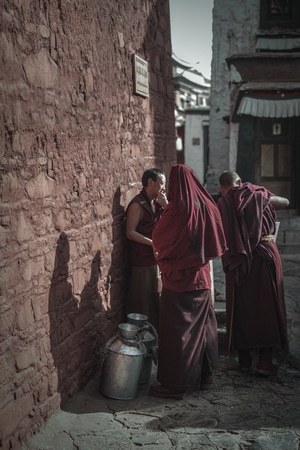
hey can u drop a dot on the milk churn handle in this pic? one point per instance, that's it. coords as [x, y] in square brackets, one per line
[131, 343]
[149, 325]
[146, 326]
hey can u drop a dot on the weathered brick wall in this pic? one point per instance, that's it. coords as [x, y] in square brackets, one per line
[74, 143]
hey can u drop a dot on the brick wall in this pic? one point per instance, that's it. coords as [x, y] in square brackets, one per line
[74, 143]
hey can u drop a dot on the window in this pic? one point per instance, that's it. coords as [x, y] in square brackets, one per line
[279, 13]
[280, 7]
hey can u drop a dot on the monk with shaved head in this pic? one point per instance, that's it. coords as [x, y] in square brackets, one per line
[255, 308]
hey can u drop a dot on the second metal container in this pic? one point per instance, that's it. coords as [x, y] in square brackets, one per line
[148, 336]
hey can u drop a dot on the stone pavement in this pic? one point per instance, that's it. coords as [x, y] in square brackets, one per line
[239, 412]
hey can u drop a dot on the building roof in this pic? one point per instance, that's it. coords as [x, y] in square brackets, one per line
[185, 71]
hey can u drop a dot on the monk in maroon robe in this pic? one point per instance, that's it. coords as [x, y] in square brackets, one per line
[144, 210]
[255, 308]
[188, 235]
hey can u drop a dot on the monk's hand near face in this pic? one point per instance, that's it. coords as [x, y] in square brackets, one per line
[161, 199]
[155, 252]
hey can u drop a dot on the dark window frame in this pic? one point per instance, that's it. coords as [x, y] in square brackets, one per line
[289, 20]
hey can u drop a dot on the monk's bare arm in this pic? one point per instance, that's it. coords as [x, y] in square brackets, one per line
[134, 215]
[279, 202]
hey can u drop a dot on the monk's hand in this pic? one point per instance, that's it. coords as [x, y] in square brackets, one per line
[155, 252]
[161, 199]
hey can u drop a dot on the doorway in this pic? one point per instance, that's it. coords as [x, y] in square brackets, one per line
[277, 157]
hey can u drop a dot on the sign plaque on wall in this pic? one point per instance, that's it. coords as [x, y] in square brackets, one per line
[140, 75]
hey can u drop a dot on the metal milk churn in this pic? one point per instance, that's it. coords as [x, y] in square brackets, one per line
[148, 336]
[122, 364]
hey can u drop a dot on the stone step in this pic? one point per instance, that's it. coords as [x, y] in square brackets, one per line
[289, 249]
[222, 338]
[221, 316]
[220, 312]
[288, 239]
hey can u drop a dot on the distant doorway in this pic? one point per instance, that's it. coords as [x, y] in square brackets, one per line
[269, 155]
[277, 157]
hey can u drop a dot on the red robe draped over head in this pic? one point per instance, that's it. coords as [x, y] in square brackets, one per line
[188, 235]
[255, 308]
[190, 231]
[247, 216]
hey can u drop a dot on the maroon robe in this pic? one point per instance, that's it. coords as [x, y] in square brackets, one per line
[141, 255]
[255, 307]
[143, 295]
[188, 235]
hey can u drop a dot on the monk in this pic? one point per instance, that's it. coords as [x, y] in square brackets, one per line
[188, 235]
[255, 308]
[144, 210]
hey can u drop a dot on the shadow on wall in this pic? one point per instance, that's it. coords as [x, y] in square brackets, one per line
[72, 327]
[117, 277]
[81, 325]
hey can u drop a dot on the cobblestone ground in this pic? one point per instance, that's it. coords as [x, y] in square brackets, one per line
[238, 412]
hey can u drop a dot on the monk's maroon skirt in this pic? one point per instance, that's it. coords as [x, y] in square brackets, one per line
[187, 336]
[259, 309]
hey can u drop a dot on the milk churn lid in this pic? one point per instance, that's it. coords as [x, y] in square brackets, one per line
[137, 319]
[128, 330]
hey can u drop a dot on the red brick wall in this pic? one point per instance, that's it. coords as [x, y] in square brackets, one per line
[74, 141]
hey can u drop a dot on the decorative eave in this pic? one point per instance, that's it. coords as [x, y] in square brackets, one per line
[198, 110]
[267, 67]
[181, 81]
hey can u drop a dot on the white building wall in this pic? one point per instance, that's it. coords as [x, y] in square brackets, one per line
[234, 32]
[194, 152]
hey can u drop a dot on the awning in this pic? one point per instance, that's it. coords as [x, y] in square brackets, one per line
[267, 66]
[277, 44]
[269, 104]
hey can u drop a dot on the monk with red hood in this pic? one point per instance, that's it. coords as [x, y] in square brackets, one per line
[188, 235]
